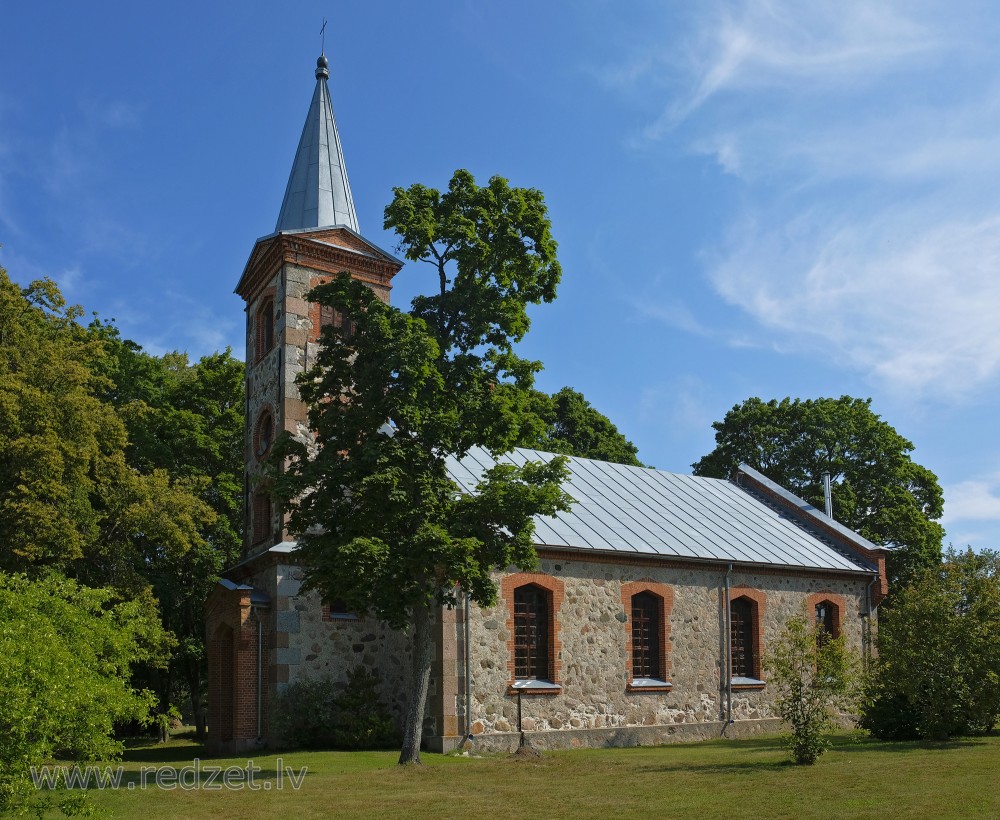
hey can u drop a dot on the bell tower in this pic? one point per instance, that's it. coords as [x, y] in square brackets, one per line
[317, 236]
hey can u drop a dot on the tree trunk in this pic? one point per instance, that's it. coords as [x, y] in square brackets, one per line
[197, 702]
[423, 647]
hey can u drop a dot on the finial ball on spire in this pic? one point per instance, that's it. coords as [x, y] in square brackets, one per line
[321, 67]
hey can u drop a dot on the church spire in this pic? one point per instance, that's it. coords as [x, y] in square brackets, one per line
[318, 193]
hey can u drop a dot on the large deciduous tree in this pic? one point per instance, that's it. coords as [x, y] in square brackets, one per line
[573, 426]
[877, 489]
[937, 673]
[381, 525]
[184, 421]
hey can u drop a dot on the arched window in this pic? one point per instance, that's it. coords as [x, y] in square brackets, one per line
[261, 511]
[531, 633]
[646, 630]
[263, 435]
[741, 625]
[264, 321]
[827, 622]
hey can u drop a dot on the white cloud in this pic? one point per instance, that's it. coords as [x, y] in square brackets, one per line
[910, 300]
[792, 47]
[867, 137]
[973, 500]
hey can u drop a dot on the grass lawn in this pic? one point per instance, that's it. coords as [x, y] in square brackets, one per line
[715, 779]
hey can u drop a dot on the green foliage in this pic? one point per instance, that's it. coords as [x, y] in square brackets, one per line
[572, 426]
[380, 523]
[118, 468]
[317, 713]
[878, 491]
[66, 654]
[813, 674]
[938, 668]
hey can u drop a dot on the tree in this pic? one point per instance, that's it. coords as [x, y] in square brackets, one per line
[574, 427]
[185, 421]
[66, 655]
[938, 668]
[380, 523]
[813, 674]
[69, 499]
[878, 491]
[117, 468]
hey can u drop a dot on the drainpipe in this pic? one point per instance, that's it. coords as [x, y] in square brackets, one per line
[867, 634]
[468, 670]
[729, 655]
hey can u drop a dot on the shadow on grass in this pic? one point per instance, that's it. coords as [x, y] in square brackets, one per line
[143, 750]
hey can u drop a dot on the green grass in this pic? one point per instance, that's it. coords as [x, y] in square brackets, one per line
[715, 779]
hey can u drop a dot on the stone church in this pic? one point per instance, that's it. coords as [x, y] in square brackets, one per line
[656, 594]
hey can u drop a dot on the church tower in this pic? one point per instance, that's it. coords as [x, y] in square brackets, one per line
[317, 236]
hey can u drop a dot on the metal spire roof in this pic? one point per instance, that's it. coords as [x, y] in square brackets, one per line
[318, 193]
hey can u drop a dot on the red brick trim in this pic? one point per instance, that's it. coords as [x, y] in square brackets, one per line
[589, 556]
[665, 594]
[758, 603]
[554, 586]
[839, 607]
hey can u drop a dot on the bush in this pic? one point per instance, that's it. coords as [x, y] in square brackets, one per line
[938, 668]
[813, 675]
[66, 657]
[319, 713]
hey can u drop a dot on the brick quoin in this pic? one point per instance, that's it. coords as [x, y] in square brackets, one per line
[554, 587]
[665, 595]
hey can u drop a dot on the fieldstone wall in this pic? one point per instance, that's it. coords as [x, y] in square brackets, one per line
[307, 646]
[592, 627]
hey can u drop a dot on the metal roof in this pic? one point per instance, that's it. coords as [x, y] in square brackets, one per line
[318, 193]
[641, 511]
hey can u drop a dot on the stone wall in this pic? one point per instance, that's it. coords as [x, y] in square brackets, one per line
[309, 644]
[593, 627]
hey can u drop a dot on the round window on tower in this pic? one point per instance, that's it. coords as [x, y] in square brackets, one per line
[263, 435]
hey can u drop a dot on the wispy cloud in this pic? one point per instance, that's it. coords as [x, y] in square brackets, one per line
[973, 500]
[867, 137]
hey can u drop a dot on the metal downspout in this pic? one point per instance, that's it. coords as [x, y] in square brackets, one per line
[867, 634]
[728, 638]
[468, 670]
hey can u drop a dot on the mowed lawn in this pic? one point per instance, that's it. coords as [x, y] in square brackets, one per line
[715, 779]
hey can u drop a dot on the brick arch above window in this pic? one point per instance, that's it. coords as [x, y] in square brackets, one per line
[555, 589]
[839, 604]
[665, 595]
[758, 602]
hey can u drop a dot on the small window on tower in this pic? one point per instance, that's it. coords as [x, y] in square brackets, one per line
[328, 317]
[265, 327]
[261, 510]
[263, 435]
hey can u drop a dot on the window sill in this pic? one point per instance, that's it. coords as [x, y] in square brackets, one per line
[747, 684]
[534, 687]
[648, 685]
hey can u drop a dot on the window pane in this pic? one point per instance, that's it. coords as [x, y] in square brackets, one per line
[741, 631]
[531, 633]
[646, 636]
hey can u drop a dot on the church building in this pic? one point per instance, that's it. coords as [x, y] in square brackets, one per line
[656, 595]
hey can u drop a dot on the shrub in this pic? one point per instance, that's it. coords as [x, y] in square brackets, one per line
[66, 657]
[319, 713]
[813, 674]
[938, 668]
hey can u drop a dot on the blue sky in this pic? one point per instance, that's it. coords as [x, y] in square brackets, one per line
[751, 199]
